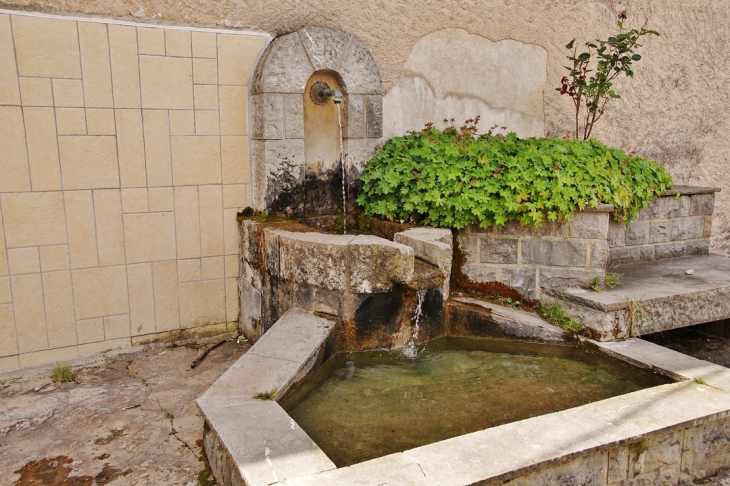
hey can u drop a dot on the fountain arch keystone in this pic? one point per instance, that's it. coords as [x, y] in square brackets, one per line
[284, 178]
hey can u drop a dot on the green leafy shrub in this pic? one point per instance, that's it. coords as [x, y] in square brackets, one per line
[453, 178]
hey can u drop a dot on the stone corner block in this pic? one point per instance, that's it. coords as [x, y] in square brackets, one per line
[376, 264]
[315, 259]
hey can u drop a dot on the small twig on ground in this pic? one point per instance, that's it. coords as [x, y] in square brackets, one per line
[207, 350]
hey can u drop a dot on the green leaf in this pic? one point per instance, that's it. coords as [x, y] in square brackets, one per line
[569, 45]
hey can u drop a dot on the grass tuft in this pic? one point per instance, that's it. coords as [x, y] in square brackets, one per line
[62, 373]
[266, 395]
[555, 315]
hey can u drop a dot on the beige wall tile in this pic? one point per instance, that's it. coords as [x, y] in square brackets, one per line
[230, 231]
[33, 219]
[9, 363]
[151, 41]
[231, 266]
[236, 57]
[59, 309]
[100, 121]
[130, 146]
[134, 200]
[109, 230]
[177, 42]
[235, 158]
[157, 147]
[46, 47]
[48, 356]
[125, 66]
[14, 162]
[9, 94]
[167, 82]
[189, 270]
[71, 121]
[204, 45]
[54, 258]
[206, 97]
[205, 71]
[116, 327]
[196, 160]
[211, 220]
[232, 300]
[68, 93]
[212, 268]
[141, 298]
[90, 330]
[3, 255]
[161, 199]
[9, 343]
[5, 296]
[30, 318]
[40, 131]
[23, 260]
[81, 229]
[149, 237]
[233, 110]
[234, 196]
[167, 312]
[207, 123]
[182, 122]
[202, 303]
[187, 222]
[95, 65]
[100, 292]
[89, 162]
[36, 91]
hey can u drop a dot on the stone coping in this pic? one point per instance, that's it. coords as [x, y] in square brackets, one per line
[656, 281]
[689, 191]
[255, 442]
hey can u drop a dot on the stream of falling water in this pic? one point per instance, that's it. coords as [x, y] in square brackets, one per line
[342, 164]
[410, 351]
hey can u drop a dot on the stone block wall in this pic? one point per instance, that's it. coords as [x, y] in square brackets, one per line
[674, 225]
[524, 258]
[124, 162]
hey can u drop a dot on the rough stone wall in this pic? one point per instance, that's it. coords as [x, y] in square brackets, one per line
[675, 225]
[124, 162]
[527, 259]
[673, 111]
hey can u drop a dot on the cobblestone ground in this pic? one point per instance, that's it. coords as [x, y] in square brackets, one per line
[131, 419]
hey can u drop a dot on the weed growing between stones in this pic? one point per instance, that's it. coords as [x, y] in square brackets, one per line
[635, 313]
[700, 381]
[266, 395]
[63, 373]
[610, 280]
[554, 314]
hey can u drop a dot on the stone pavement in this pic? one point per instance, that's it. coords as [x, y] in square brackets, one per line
[84, 434]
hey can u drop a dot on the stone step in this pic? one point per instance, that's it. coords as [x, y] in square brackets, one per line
[652, 297]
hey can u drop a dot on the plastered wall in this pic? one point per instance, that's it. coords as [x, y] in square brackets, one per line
[124, 157]
[673, 111]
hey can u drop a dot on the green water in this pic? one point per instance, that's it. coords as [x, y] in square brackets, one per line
[457, 386]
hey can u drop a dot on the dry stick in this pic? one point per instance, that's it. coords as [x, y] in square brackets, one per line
[207, 350]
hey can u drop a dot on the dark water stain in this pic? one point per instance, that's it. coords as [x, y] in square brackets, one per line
[115, 434]
[109, 474]
[51, 472]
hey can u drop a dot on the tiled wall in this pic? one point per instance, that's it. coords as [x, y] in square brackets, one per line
[123, 161]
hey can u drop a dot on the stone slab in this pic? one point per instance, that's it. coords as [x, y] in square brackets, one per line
[264, 445]
[656, 280]
[518, 323]
[270, 365]
[645, 354]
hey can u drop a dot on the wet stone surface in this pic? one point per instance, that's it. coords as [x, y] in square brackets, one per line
[131, 420]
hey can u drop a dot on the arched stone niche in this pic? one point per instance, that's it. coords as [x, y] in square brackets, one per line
[288, 177]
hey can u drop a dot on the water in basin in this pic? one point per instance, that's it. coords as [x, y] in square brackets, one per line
[456, 386]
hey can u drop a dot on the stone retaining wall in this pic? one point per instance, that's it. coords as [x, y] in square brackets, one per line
[530, 258]
[674, 225]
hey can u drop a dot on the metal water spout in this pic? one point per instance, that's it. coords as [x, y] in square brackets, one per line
[320, 92]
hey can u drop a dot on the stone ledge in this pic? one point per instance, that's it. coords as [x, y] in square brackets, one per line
[689, 191]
